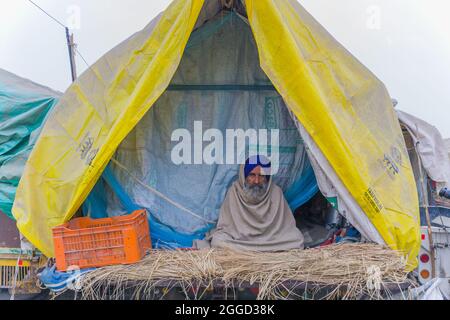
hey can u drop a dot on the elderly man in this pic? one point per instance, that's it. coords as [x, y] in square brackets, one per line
[255, 215]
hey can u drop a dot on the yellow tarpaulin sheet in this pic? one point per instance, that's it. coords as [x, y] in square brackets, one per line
[94, 116]
[348, 113]
[342, 105]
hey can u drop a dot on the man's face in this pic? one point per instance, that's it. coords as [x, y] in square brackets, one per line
[256, 185]
[255, 178]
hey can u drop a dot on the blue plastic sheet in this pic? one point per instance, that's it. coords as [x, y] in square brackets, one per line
[303, 189]
[162, 236]
[57, 281]
[165, 237]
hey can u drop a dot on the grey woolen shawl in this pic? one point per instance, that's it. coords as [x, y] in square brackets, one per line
[267, 225]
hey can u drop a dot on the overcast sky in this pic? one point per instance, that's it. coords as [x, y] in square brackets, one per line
[406, 43]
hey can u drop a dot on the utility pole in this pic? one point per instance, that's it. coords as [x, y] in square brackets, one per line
[71, 45]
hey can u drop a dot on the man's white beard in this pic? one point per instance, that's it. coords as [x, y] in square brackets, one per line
[255, 192]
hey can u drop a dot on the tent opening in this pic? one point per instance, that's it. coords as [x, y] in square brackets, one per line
[219, 86]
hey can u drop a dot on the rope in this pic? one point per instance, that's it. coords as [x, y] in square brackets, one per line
[159, 194]
[82, 58]
[16, 274]
[62, 25]
[228, 4]
[242, 17]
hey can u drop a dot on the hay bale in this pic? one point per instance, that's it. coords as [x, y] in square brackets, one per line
[352, 270]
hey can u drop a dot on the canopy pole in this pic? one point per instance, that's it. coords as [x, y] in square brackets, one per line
[71, 46]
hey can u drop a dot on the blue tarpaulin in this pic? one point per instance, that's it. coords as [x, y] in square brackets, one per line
[164, 236]
[24, 107]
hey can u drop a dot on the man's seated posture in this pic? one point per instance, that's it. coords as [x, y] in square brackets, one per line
[255, 215]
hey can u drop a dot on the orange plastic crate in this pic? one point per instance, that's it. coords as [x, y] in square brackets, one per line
[87, 243]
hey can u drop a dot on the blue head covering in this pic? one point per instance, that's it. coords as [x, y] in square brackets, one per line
[256, 161]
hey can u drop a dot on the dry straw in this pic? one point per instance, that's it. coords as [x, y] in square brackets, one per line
[348, 271]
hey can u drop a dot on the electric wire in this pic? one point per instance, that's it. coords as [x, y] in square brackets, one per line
[62, 25]
[48, 14]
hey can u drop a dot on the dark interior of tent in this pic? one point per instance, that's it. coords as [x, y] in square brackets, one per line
[219, 85]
